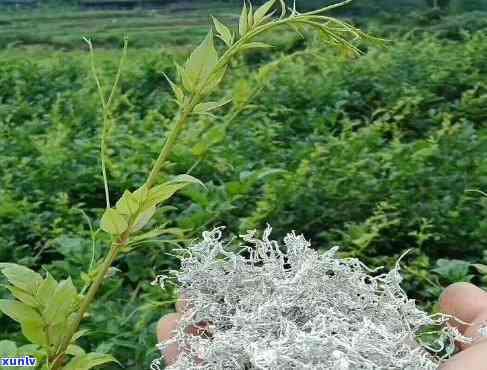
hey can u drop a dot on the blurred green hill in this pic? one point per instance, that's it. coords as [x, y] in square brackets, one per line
[60, 24]
[362, 6]
[371, 7]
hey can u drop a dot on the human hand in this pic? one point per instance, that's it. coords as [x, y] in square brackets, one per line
[468, 303]
[165, 329]
[169, 323]
[462, 300]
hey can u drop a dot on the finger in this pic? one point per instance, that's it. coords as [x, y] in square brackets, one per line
[468, 303]
[464, 301]
[166, 326]
[165, 329]
[473, 331]
[473, 358]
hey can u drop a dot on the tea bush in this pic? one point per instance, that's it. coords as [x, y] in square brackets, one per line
[375, 155]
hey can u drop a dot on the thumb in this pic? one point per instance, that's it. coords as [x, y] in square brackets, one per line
[165, 328]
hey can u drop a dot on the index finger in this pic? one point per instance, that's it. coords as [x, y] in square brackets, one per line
[468, 303]
[464, 300]
[165, 330]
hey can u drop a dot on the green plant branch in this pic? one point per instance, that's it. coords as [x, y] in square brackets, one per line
[106, 104]
[124, 238]
[171, 141]
[328, 8]
[93, 241]
[223, 63]
[187, 107]
[85, 303]
[119, 71]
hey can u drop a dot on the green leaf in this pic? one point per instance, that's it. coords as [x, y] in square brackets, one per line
[160, 193]
[23, 296]
[30, 320]
[214, 80]
[158, 232]
[21, 277]
[141, 194]
[269, 172]
[262, 11]
[364, 240]
[209, 106]
[242, 92]
[188, 84]
[75, 350]
[34, 332]
[62, 303]
[265, 73]
[480, 268]
[113, 222]
[7, 348]
[178, 92]
[250, 18]
[223, 32]
[31, 349]
[213, 136]
[200, 149]
[143, 218]
[453, 270]
[128, 204]
[19, 311]
[255, 45]
[187, 179]
[242, 22]
[268, 17]
[79, 334]
[202, 62]
[89, 361]
[46, 290]
[56, 333]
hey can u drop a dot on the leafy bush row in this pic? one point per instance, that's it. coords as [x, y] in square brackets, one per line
[376, 156]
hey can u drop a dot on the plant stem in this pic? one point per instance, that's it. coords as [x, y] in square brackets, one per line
[103, 164]
[170, 142]
[171, 139]
[180, 123]
[112, 255]
[124, 238]
[106, 108]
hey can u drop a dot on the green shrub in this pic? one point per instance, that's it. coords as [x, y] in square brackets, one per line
[47, 124]
[375, 155]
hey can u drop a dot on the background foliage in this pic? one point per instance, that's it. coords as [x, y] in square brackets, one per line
[376, 155]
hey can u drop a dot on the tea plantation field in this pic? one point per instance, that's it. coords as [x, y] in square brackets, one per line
[377, 154]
